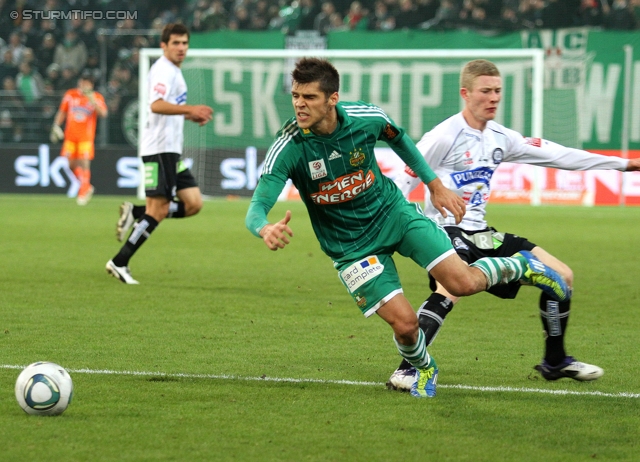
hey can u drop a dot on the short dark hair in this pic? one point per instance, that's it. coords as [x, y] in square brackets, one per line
[310, 70]
[173, 29]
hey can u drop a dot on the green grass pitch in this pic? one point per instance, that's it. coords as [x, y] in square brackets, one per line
[228, 351]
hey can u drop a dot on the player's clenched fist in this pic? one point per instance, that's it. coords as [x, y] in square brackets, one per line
[276, 235]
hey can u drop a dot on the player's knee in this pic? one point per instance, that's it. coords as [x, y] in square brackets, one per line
[193, 207]
[406, 331]
[566, 273]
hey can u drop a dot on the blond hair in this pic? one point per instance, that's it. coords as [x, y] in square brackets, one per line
[474, 69]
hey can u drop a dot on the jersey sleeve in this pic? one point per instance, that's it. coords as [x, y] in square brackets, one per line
[544, 153]
[433, 148]
[160, 84]
[100, 101]
[399, 141]
[275, 173]
[64, 104]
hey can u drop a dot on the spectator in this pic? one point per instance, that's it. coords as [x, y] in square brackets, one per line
[196, 12]
[557, 14]
[53, 74]
[308, 12]
[260, 16]
[49, 107]
[12, 102]
[407, 17]
[382, 19]
[240, 19]
[30, 35]
[338, 22]
[322, 21]
[16, 47]
[635, 7]
[48, 26]
[46, 50]
[93, 61]
[531, 13]
[215, 17]
[29, 83]
[89, 35]
[71, 52]
[509, 20]
[620, 17]
[7, 67]
[446, 16]
[590, 13]
[68, 78]
[356, 18]
[426, 9]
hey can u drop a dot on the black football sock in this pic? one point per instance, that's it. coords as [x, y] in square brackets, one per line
[176, 210]
[141, 232]
[431, 316]
[555, 317]
[138, 211]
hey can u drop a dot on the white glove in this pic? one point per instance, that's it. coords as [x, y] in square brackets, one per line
[56, 134]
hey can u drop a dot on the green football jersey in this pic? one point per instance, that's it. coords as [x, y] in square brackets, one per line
[340, 182]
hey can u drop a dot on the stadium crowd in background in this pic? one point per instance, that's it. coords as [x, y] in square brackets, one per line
[58, 50]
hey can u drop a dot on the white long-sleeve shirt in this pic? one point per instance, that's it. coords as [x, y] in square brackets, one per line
[465, 159]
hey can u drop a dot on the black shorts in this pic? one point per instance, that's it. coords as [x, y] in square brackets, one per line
[165, 174]
[474, 245]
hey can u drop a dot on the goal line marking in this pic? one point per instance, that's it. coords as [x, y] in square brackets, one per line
[341, 382]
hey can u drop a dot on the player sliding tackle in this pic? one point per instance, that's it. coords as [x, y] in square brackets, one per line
[464, 151]
[361, 218]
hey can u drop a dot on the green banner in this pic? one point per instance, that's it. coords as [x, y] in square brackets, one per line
[589, 83]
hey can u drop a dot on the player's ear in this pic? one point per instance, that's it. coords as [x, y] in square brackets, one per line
[333, 99]
[464, 92]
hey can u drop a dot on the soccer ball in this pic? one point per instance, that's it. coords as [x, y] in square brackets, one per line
[44, 388]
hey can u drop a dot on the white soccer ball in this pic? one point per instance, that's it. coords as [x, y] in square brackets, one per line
[44, 388]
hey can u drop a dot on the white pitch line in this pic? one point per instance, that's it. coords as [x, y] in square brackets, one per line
[343, 382]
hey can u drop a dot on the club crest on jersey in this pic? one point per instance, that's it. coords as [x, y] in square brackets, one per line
[356, 157]
[361, 272]
[344, 188]
[459, 244]
[317, 169]
[360, 300]
[498, 154]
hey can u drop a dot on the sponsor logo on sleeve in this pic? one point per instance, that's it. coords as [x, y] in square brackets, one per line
[537, 142]
[343, 189]
[390, 132]
[317, 169]
[160, 88]
[361, 272]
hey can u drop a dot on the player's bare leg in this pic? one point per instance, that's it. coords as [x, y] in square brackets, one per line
[409, 340]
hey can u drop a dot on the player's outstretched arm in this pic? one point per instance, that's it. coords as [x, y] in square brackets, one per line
[633, 165]
[276, 235]
[444, 199]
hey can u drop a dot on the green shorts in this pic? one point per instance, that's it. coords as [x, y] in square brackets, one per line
[372, 279]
